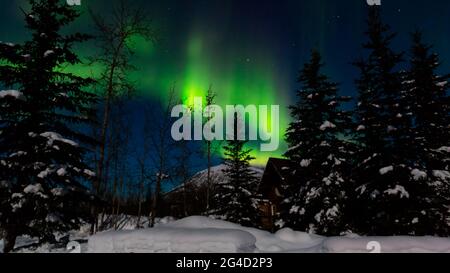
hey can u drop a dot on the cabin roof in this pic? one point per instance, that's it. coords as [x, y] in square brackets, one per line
[275, 174]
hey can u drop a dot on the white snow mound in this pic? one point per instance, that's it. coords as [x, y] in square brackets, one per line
[167, 239]
[203, 234]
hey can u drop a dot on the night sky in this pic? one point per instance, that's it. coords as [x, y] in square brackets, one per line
[251, 50]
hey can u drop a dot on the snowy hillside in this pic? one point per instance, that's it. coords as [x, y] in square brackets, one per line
[217, 175]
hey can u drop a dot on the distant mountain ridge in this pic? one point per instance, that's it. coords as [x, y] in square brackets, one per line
[199, 179]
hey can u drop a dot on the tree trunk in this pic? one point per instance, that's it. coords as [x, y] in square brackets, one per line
[9, 240]
[141, 190]
[113, 199]
[155, 200]
[208, 178]
[184, 199]
[118, 204]
[94, 219]
[106, 113]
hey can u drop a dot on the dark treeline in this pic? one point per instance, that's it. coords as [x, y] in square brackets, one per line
[383, 168]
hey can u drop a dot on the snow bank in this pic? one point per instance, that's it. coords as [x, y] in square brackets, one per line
[203, 234]
[199, 234]
[168, 239]
[394, 244]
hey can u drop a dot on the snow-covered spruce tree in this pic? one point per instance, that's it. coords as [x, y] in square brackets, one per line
[41, 152]
[430, 105]
[430, 142]
[386, 192]
[234, 199]
[316, 198]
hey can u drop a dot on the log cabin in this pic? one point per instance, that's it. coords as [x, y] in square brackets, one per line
[270, 190]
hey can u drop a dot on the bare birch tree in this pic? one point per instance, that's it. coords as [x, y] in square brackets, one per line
[163, 148]
[115, 56]
[211, 147]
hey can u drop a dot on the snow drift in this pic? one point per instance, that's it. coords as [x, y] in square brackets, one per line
[203, 234]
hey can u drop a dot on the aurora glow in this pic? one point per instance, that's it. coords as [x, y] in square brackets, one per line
[249, 51]
[234, 82]
[220, 123]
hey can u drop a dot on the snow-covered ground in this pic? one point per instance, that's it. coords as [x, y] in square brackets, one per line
[198, 234]
[202, 234]
[29, 245]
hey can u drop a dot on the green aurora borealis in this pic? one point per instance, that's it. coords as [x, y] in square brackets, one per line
[249, 51]
[237, 78]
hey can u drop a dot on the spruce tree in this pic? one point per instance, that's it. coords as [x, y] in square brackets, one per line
[234, 198]
[316, 197]
[42, 109]
[385, 159]
[430, 142]
[430, 103]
